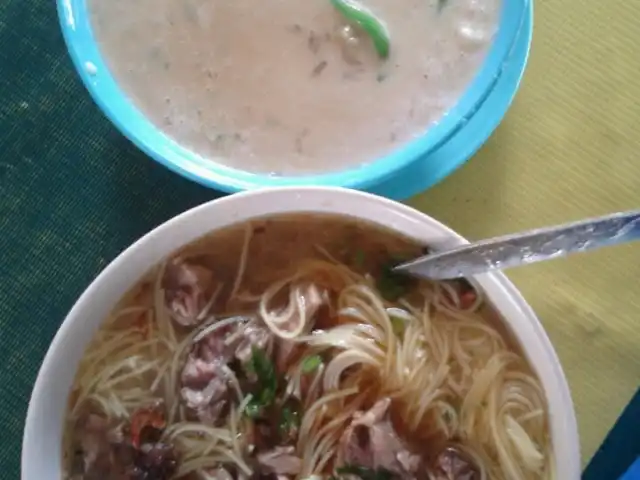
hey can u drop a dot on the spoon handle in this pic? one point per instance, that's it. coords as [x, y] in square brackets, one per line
[527, 247]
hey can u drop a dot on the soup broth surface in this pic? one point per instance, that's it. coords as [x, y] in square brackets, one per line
[289, 87]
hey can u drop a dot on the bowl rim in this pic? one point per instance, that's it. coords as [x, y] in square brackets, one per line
[132, 123]
[44, 421]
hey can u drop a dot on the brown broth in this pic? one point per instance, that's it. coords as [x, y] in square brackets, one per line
[280, 243]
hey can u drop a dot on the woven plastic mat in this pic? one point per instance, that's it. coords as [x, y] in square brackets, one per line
[74, 193]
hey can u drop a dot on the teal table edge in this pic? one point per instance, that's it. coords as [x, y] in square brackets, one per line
[620, 449]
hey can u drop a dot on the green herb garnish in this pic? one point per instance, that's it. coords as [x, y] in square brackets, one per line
[289, 421]
[398, 325]
[365, 473]
[442, 4]
[262, 367]
[358, 259]
[359, 15]
[253, 409]
[311, 363]
[392, 285]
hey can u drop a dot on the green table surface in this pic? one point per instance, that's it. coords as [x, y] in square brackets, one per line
[74, 193]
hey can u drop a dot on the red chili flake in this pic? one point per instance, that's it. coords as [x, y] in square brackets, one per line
[152, 416]
[142, 324]
[466, 294]
[467, 299]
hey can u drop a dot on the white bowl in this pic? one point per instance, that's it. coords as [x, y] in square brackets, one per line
[41, 448]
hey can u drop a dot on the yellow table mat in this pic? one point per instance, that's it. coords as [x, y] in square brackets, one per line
[569, 148]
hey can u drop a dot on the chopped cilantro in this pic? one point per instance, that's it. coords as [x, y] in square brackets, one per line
[289, 421]
[253, 409]
[392, 285]
[267, 382]
[311, 363]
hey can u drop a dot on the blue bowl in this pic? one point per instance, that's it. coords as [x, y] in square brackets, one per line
[444, 160]
[78, 35]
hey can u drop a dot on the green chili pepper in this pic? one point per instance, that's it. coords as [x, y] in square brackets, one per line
[359, 15]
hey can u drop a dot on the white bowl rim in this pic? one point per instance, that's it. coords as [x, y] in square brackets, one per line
[43, 428]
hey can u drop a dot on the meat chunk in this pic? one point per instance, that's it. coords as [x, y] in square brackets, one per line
[219, 474]
[109, 454]
[280, 460]
[232, 341]
[204, 380]
[371, 441]
[453, 464]
[94, 445]
[209, 402]
[205, 375]
[188, 288]
[253, 335]
[216, 345]
[154, 461]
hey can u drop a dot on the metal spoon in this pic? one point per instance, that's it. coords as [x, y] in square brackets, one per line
[527, 247]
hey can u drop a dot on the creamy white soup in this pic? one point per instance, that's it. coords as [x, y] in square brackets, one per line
[291, 87]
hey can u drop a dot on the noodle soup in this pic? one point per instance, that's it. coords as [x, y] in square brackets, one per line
[286, 348]
[288, 87]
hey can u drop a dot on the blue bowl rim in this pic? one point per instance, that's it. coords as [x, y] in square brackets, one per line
[131, 122]
[445, 160]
